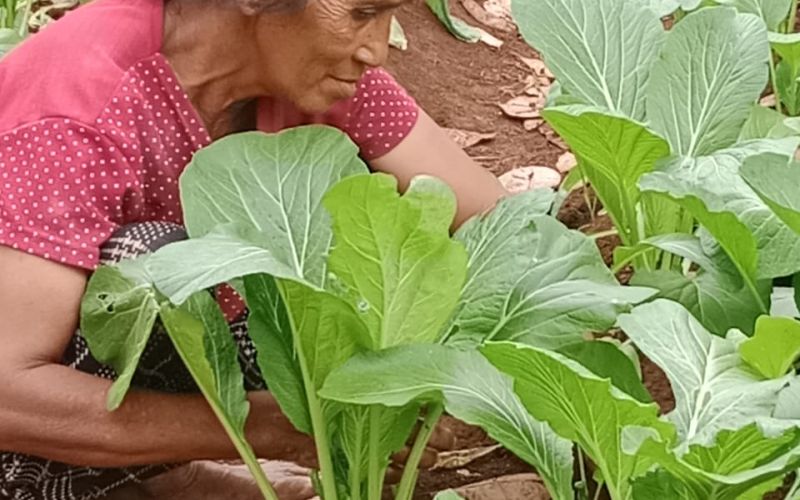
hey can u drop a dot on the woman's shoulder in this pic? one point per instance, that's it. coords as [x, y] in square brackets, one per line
[74, 66]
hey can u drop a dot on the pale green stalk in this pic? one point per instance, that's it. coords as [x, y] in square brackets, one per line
[792, 18]
[411, 470]
[774, 79]
[376, 470]
[318, 424]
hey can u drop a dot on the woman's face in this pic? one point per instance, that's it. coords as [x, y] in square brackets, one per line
[316, 55]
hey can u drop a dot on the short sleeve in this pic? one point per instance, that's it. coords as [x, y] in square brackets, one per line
[62, 186]
[381, 114]
[377, 118]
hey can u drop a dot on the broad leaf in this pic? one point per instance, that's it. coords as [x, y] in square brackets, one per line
[774, 347]
[715, 294]
[270, 330]
[712, 67]
[714, 389]
[203, 340]
[710, 187]
[274, 184]
[742, 464]
[230, 251]
[765, 123]
[600, 51]
[533, 280]
[667, 7]
[772, 12]
[396, 256]
[117, 316]
[615, 151]
[457, 27]
[328, 328]
[472, 390]
[606, 360]
[580, 407]
[448, 495]
[777, 182]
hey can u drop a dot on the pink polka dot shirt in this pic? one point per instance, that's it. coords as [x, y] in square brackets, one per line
[95, 130]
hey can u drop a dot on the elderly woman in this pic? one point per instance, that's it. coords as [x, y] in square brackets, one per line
[101, 112]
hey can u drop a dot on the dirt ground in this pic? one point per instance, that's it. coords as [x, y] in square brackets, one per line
[461, 84]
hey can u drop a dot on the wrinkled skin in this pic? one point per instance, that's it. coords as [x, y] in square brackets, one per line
[324, 49]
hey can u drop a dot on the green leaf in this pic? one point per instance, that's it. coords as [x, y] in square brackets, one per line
[667, 7]
[396, 256]
[580, 407]
[600, 51]
[741, 464]
[397, 36]
[777, 182]
[715, 294]
[533, 280]
[473, 391]
[765, 123]
[458, 28]
[9, 38]
[712, 67]
[229, 251]
[328, 327]
[273, 183]
[118, 313]
[774, 347]
[615, 151]
[203, 340]
[772, 12]
[714, 389]
[270, 330]
[448, 495]
[787, 86]
[606, 360]
[711, 188]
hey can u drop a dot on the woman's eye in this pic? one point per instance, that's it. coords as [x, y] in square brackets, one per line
[365, 13]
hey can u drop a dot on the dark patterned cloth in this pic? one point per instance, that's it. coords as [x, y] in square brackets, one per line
[24, 477]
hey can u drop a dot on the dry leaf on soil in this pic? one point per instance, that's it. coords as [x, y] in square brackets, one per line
[490, 19]
[523, 106]
[467, 138]
[532, 124]
[524, 179]
[526, 486]
[459, 458]
[566, 162]
[538, 66]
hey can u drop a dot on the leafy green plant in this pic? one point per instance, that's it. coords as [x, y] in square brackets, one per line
[661, 122]
[334, 264]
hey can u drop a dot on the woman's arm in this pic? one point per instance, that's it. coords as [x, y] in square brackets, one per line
[428, 150]
[52, 411]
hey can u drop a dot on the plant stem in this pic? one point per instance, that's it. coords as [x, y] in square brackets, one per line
[355, 469]
[315, 411]
[411, 470]
[582, 468]
[774, 80]
[598, 490]
[376, 470]
[792, 18]
[258, 473]
[23, 26]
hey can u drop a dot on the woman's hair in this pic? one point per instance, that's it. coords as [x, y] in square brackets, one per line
[262, 6]
[275, 6]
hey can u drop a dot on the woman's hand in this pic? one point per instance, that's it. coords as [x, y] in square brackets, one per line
[207, 480]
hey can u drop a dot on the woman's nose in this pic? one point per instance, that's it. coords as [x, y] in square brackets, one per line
[375, 49]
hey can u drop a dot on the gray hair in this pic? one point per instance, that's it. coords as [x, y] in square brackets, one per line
[260, 6]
